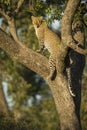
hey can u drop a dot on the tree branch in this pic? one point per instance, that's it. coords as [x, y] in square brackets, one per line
[20, 2]
[12, 26]
[67, 19]
[2, 12]
[11, 21]
[72, 44]
[24, 55]
[12, 29]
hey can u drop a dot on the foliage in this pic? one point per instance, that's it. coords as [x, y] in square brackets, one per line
[8, 123]
[6, 2]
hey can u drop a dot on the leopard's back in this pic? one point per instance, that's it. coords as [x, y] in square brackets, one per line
[51, 40]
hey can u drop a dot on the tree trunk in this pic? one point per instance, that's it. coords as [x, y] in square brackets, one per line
[3, 103]
[64, 104]
[69, 107]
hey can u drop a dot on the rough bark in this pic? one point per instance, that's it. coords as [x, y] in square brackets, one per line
[64, 104]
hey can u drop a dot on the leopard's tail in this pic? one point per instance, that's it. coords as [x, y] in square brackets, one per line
[70, 82]
[52, 65]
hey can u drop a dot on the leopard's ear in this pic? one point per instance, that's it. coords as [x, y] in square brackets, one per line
[32, 17]
[41, 18]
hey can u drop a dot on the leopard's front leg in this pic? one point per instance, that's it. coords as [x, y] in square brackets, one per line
[42, 46]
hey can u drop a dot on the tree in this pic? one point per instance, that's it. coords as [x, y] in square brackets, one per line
[68, 107]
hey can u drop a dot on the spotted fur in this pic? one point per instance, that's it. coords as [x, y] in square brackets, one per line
[47, 40]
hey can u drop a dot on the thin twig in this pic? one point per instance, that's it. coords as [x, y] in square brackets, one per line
[2, 12]
[20, 2]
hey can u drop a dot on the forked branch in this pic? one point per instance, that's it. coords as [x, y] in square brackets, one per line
[11, 21]
[67, 19]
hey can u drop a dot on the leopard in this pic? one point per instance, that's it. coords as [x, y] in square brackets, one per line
[47, 40]
[51, 41]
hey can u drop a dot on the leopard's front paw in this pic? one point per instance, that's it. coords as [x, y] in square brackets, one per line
[41, 52]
